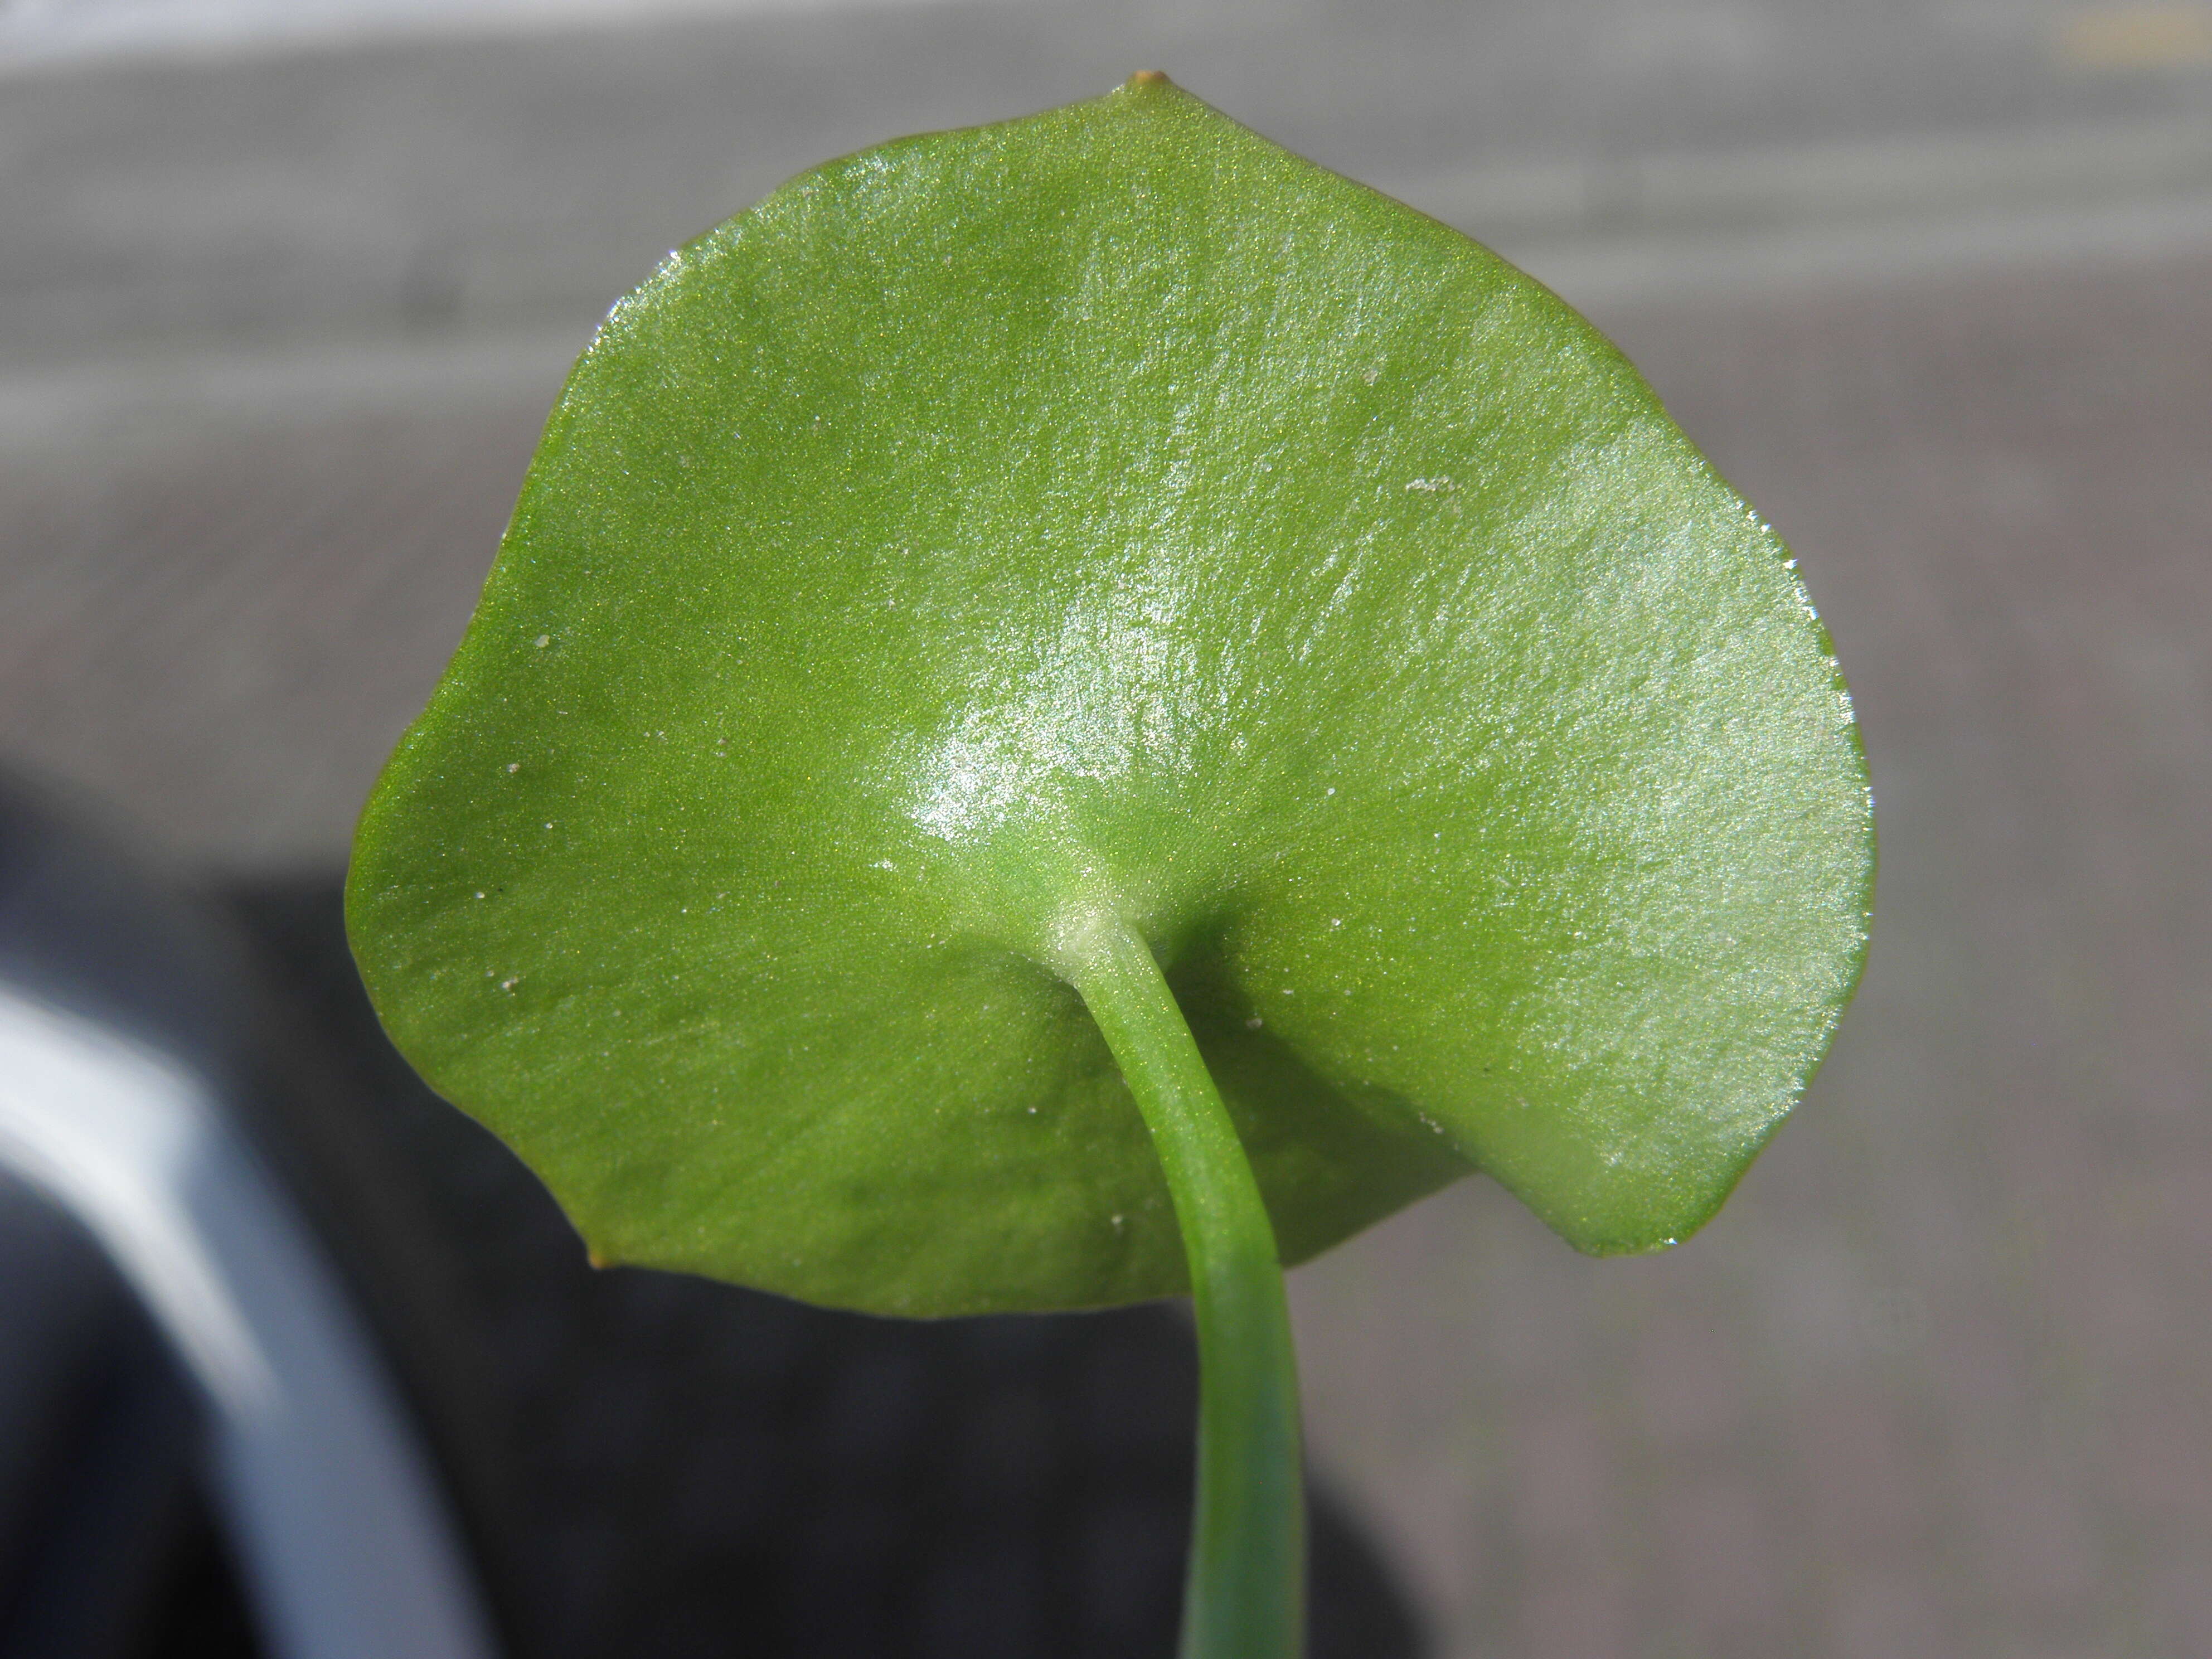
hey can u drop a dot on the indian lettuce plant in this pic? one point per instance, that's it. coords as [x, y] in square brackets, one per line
[1075, 711]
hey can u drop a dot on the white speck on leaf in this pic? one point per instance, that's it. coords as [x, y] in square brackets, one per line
[545, 639]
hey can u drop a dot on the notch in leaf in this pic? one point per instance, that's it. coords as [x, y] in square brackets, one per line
[1074, 708]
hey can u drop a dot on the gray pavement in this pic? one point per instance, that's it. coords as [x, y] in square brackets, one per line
[1932, 284]
[419, 183]
[1935, 1382]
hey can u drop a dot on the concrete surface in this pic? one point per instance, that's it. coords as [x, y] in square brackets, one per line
[1932, 284]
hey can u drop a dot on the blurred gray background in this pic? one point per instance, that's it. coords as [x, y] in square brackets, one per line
[285, 292]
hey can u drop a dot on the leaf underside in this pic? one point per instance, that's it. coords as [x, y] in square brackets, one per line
[1109, 513]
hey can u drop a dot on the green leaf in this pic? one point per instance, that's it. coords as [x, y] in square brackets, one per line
[1109, 518]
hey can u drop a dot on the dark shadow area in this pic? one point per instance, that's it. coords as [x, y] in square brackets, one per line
[109, 1549]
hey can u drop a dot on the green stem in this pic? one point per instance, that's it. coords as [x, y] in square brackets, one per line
[1244, 1597]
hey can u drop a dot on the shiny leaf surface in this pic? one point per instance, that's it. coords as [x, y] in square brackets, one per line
[1109, 514]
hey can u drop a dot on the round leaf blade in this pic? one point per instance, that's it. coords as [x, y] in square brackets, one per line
[1111, 513]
